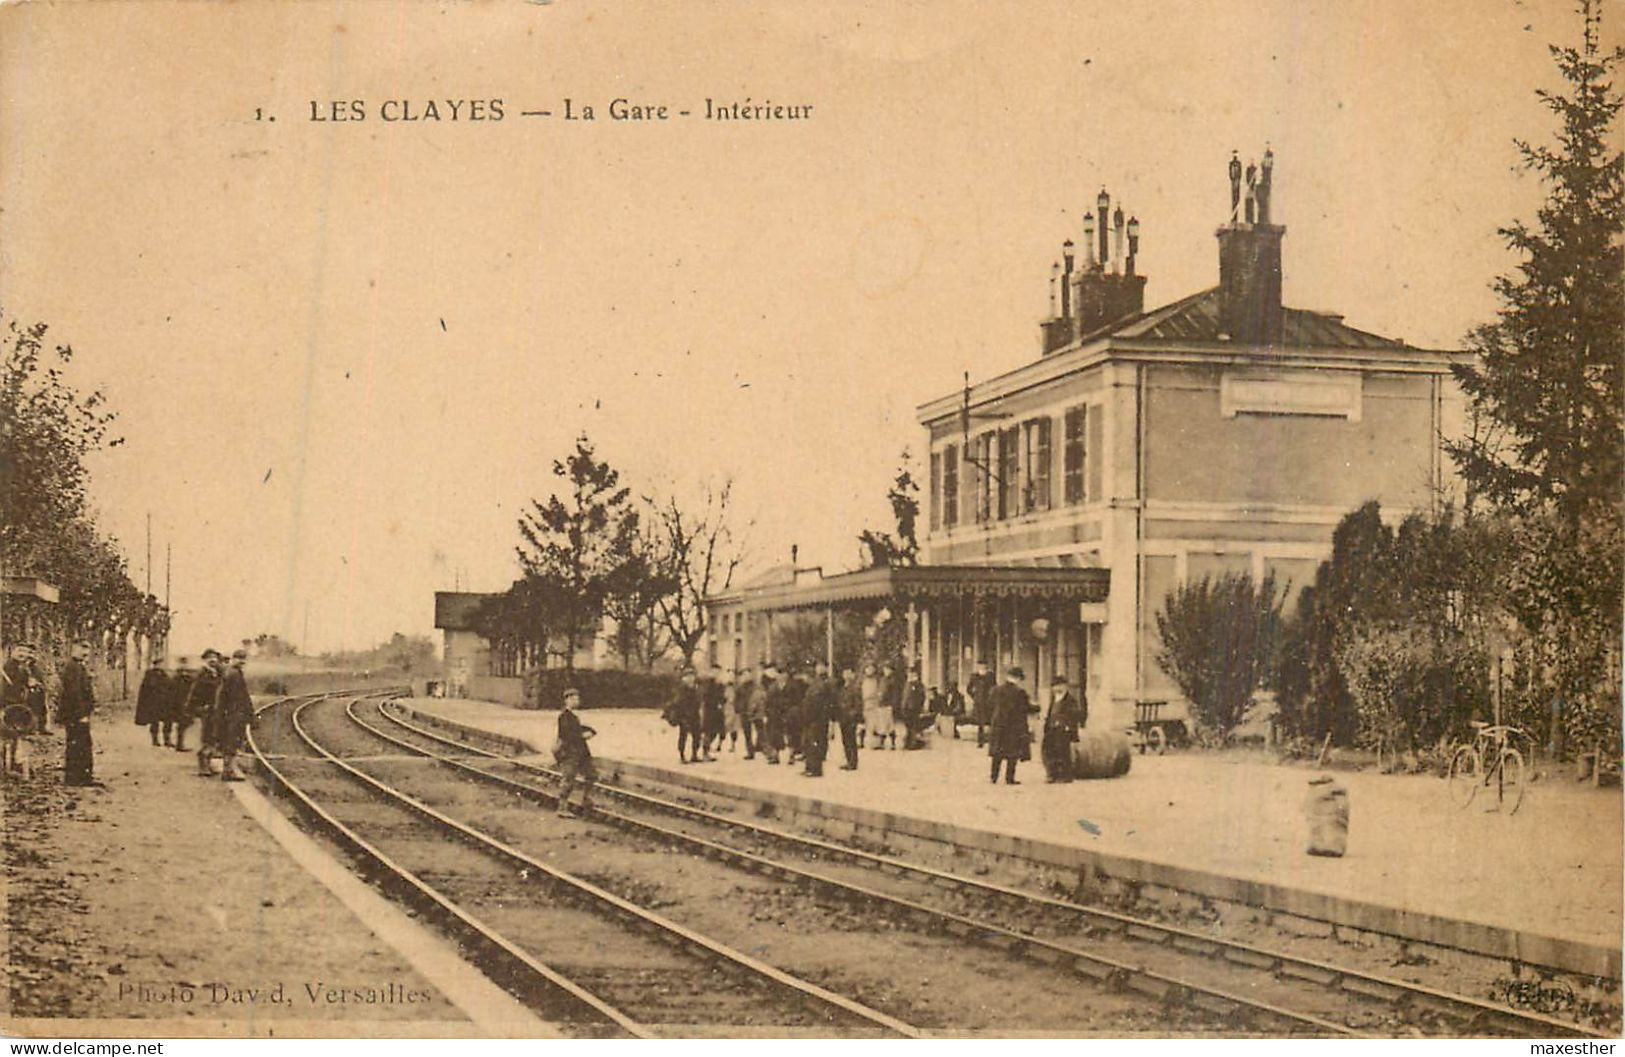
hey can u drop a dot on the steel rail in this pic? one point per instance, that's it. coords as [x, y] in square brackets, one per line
[640, 915]
[1096, 966]
[486, 936]
[1472, 1012]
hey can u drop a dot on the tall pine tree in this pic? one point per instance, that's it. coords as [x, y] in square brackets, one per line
[577, 549]
[1548, 376]
[1547, 394]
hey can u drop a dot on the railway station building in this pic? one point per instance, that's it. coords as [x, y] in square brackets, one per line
[1142, 448]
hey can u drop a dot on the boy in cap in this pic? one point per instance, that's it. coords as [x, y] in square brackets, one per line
[570, 752]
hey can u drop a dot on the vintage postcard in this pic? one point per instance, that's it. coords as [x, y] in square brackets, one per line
[874, 519]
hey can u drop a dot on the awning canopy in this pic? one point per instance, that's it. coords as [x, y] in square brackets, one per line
[921, 583]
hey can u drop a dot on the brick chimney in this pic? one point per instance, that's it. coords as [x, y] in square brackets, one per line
[1250, 259]
[1102, 288]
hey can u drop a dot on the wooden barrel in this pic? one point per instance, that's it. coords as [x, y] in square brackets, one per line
[1101, 754]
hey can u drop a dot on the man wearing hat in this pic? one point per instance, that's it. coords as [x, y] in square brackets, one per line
[1066, 715]
[233, 714]
[748, 706]
[153, 703]
[200, 702]
[772, 714]
[571, 754]
[980, 688]
[684, 710]
[36, 685]
[911, 709]
[1009, 741]
[76, 700]
[180, 691]
[818, 706]
[849, 717]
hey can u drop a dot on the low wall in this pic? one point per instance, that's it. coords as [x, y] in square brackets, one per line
[504, 690]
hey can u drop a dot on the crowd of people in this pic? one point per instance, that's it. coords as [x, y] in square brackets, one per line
[788, 715]
[170, 702]
[213, 697]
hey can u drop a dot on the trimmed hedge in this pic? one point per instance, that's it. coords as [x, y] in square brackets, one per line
[609, 688]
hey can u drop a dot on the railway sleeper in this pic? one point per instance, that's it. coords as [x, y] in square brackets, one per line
[1312, 973]
[1150, 986]
[1369, 988]
[1251, 959]
[1196, 945]
[1148, 933]
[1223, 1007]
[1098, 971]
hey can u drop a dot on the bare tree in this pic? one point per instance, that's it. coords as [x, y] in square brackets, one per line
[697, 551]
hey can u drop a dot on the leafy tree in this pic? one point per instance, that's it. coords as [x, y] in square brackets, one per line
[47, 429]
[901, 547]
[575, 549]
[1547, 387]
[1218, 644]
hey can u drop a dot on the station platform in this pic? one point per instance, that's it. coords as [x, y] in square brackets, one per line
[167, 904]
[1542, 886]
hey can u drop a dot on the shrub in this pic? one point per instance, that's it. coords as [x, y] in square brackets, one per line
[1218, 644]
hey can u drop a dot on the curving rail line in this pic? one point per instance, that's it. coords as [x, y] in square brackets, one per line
[1471, 1015]
[577, 1002]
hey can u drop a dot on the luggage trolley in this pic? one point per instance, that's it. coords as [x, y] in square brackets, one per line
[1153, 732]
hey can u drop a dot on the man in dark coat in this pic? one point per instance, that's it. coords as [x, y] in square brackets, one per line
[684, 710]
[180, 691]
[795, 691]
[75, 702]
[154, 704]
[1061, 724]
[713, 695]
[1009, 740]
[911, 710]
[980, 689]
[772, 714]
[748, 707]
[200, 705]
[891, 702]
[818, 708]
[572, 754]
[233, 713]
[849, 716]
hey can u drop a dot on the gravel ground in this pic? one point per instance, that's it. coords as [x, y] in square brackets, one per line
[158, 899]
[936, 982]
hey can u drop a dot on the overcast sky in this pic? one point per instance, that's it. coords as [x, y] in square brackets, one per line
[344, 355]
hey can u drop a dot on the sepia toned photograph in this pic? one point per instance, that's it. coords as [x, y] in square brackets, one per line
[554, 519]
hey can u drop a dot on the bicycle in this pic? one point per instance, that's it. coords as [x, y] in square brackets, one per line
[1490, 761]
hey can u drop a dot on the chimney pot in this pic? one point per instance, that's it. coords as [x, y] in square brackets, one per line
[1250, 309]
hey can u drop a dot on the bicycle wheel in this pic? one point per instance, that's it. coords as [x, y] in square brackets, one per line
[1510, 780]
[1466, 775]
[1156, 740]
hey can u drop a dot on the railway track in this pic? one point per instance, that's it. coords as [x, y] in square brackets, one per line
[594, 963]
[1250, 986]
